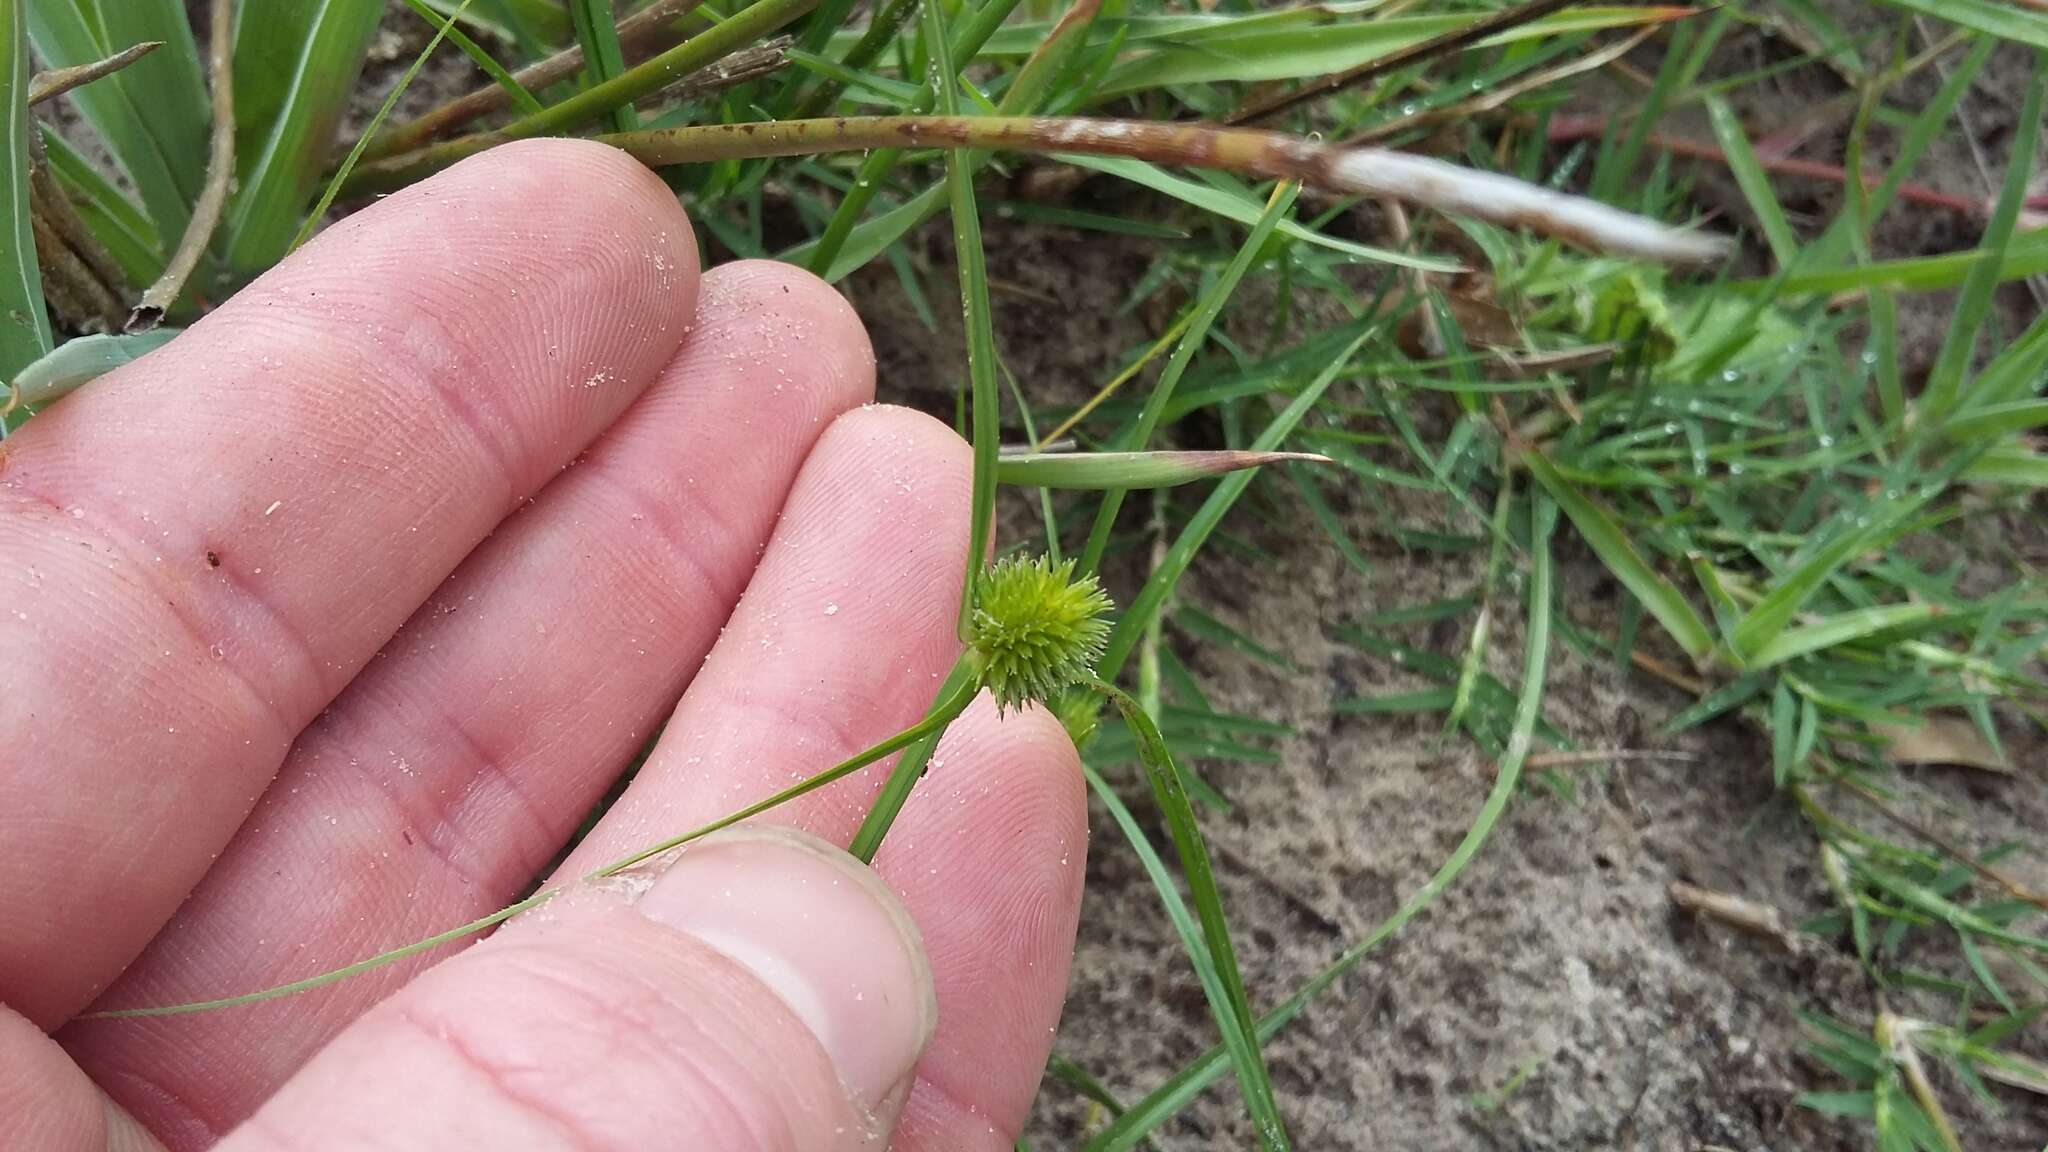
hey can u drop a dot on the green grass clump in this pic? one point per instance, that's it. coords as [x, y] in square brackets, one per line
[1745, 454]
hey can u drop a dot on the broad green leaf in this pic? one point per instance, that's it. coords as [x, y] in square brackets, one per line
[1101, 470]
[1842, 629]
[296, 63]
[153, 114]
[2005, 19]
[24, 325]
[1611, 543]
[80, 361]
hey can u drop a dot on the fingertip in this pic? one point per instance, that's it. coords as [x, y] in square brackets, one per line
[989, 854]
[918, 453]
[554, 179]
[789, 307]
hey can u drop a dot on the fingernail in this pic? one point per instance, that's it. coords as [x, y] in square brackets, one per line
[823, 932]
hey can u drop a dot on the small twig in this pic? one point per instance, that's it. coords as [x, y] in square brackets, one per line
[637, 31]
[50, 84]
[1592, 756]
[1496, 97]
[1437, 45]
[1670, 675]
[220, 170]
[1574, 128]
[74, 292]
[1760, 920]
[48, 199]
[1877, 802]
[1895, 1034]
[1418, 280]
[738, 68]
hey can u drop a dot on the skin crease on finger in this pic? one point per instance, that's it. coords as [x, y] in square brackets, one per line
[240, 519]
[455, 767]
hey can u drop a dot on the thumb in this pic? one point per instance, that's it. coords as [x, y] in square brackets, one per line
[767, 992]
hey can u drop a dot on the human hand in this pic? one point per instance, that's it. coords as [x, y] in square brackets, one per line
[330, 529]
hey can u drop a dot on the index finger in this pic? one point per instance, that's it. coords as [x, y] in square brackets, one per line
[205, 546]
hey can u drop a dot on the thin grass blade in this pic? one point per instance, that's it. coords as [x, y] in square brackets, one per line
[152, 115]
[1163, 1102]
[1124, 636]
[1943, 391]
[1103, 470]
[355, 153]
[1169, 789]
[485, 62]
[1611, 543]
[1846, 628]
[1161, 395]
[295, 67]
[598, 33]
[1754, 182]
[24, 325]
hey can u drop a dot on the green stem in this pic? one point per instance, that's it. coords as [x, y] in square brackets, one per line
[954, 695]
[941, 715]
[1254, 247]
[1123, 638]
[737, 31]
[874, 170]
[1170, 792]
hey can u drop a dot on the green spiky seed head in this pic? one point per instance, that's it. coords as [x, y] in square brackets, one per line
[1037, 628]
[1080, 712]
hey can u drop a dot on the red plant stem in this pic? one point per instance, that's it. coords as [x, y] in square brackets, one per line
[1569, 129]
